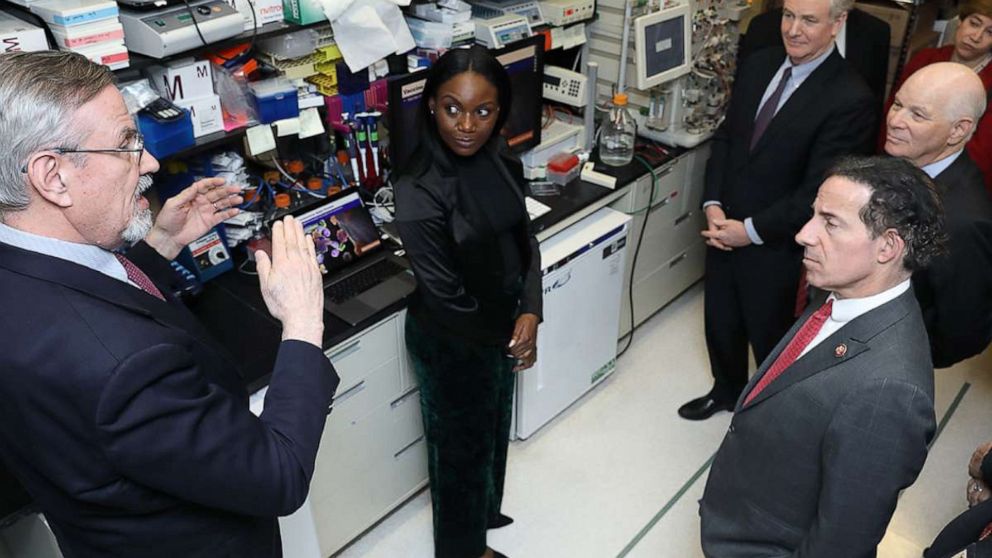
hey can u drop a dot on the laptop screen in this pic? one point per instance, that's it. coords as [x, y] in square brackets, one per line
[342, 231]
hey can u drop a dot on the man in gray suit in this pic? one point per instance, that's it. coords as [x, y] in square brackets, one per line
[837, 419]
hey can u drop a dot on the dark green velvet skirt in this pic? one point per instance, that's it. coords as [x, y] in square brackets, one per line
[466, 396]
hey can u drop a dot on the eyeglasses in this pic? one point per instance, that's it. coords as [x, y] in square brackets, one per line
[138, 147]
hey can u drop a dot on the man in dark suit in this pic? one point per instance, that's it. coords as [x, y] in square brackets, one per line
[932, 117]
[126, 424]
[837, 420]
[791, 114]
[863, 41]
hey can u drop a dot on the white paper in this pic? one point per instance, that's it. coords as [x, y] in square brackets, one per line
[287, 127]
[355, 21]
[310, 124]
[260, 139]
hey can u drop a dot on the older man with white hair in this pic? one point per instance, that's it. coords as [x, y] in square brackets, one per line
[932, 117]
[125, 423]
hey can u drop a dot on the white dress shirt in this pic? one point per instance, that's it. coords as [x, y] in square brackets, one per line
[799, 74]
[846, 309]
[87, 255]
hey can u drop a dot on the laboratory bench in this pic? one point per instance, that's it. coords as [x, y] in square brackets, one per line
[373, 456]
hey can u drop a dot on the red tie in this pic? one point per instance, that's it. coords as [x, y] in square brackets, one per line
[139, 278]
[795, 348]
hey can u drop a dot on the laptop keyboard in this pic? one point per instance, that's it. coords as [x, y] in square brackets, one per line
[358, 283]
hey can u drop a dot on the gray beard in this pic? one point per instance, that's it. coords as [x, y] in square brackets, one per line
[139, 225]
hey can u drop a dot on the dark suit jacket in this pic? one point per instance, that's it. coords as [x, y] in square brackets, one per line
[132, 432]
[955, 292]
[813, 466]
[964, 530]
[831, 114]
[866, 48]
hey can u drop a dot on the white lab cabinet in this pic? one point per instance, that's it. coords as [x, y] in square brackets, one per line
[372, 456]
[672, 252]
[583, 269]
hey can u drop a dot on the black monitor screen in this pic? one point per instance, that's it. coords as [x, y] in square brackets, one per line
[524, 62]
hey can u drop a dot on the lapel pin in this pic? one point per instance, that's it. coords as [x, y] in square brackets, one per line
[840, 350]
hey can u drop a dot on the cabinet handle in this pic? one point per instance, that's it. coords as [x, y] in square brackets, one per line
[401, 399]
[408, 446]
[665, 171]
[683, 218]
[678, 260]
[347, 350]
[348, 394]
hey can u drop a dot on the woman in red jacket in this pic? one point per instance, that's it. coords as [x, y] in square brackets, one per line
[972, 47]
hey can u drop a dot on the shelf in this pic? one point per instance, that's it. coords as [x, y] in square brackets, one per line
[276, 28]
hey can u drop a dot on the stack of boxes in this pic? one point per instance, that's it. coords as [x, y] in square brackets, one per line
[90, 27]
[189, 84]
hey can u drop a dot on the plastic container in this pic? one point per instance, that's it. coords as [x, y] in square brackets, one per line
[616, 137]
[275, 99]
[163, 139]
[563, 168]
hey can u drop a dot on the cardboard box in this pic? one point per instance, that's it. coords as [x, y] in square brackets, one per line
[206, 115]
[266, 11]
[17, 35]
[88, 34]
[896, 15]
[75, 12]
[302, 12]
[183, 80]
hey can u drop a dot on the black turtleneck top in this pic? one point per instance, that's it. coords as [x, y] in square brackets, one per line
[467, 234]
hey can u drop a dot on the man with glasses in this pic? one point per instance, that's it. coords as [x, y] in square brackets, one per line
[127, 426]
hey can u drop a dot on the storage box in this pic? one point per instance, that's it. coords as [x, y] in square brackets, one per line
[88, 34]
[17, 35]
[183, 80]
[275, 99]
[163, 139]
[302, 12]
[114, 55]
[266, 11]
[206, 114]
[75, 12]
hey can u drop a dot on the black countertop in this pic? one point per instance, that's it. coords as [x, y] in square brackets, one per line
[232, 309]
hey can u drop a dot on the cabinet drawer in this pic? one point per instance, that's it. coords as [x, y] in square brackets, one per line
[371, 392]
[377, 462]
[356, 357]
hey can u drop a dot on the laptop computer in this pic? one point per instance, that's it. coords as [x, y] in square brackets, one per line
[361, 277]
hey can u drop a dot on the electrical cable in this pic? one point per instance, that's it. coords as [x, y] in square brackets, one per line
[254, 33]
[293, 181]
[637, 250]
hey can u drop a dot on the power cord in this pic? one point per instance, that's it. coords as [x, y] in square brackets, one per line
[254, 33]
[637, 250]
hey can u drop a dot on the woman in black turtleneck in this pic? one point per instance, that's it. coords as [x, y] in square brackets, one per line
[473, 319]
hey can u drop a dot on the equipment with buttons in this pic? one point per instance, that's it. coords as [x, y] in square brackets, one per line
[564, 12]
[501, 31]
[488, 9]
[565, 86]
[161, 33]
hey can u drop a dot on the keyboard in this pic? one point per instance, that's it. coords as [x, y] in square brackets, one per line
[358, 283]
[535, 208]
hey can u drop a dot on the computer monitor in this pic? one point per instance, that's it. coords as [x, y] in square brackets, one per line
[662, 45]
[524, 62]
[342, 230]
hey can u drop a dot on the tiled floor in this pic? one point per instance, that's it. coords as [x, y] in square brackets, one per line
[619, 473]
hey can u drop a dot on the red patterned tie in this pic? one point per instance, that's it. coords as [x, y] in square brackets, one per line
[139, 278]
[795, 348]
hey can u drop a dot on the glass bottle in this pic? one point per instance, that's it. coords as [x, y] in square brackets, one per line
[616, 138]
